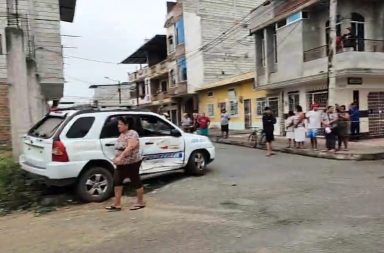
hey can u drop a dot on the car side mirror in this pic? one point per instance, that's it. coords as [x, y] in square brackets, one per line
[175, 133]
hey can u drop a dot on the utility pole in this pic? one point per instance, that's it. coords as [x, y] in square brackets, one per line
[332, 52]
[119, 91]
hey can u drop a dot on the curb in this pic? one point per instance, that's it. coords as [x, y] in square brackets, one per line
[323, 155]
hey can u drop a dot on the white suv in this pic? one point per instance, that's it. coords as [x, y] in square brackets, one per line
[77, 147]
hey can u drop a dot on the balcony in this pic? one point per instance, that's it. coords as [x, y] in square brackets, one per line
[366, 55]
[161, 96]
[150, 72]
[373, 46]
[179, 89]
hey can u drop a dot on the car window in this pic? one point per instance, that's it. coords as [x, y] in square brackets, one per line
[110, 129]
[47, 127]
[80, 128]
[154, 126]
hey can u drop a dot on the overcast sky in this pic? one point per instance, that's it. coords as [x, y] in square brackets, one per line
[109, 31]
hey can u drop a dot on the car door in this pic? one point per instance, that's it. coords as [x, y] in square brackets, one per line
[109, 135]
[162, 144]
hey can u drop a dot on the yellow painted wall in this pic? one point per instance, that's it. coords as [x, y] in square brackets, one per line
[244, 91]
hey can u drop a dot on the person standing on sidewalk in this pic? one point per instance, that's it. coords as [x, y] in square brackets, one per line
[343, 127]
[186, 123]
[289, 129]
[314, 124]
[204, 123]
[269, 122]
[329, 122]
[225, 118]
[354, 114]
[299, 127]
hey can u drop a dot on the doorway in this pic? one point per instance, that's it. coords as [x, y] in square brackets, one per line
[248, 113]
[376, 114]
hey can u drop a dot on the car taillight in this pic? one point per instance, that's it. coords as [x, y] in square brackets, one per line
[59, 153]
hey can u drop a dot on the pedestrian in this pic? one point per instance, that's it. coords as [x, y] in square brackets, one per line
[343, 127]
[329, 122]
[299, 127]
[289, 129]
[269, 122]
[195, 122]
[186, 123]
[354, 114]
[314, 124]
[225, 118]
[204, 123]
[128, 162]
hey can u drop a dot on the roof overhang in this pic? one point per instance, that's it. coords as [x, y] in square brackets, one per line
[67, 10]
[229, 81]
[157, 44]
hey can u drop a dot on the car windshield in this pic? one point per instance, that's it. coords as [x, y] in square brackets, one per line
[47, 127]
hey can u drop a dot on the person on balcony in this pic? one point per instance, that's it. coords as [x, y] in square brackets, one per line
[349, 39]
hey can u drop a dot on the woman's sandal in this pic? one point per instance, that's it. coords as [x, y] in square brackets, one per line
[137, 207]
[113, 209]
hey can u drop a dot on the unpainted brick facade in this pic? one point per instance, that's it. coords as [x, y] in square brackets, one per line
[5, 135]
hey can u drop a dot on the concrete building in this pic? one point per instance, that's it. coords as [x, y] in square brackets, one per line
[205, 42]
[31, 63]
[108, 95]
[292, 56]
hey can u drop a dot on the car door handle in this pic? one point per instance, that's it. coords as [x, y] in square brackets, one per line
[149, 143]
[109, 145]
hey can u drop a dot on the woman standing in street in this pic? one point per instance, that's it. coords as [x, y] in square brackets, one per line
[343, 128]
[299, 127]
[289, 129]
[329, 122]
[128, 161]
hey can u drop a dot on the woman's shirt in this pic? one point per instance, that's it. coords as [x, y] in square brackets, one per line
[289, 124]
[122, 143]
[299, 120]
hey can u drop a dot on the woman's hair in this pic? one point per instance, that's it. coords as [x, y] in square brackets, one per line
[299, 108]
[329, 107]
[291, 113]
[128, 121]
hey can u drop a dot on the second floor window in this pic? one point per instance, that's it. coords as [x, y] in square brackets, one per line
[180, 38]
[172, 78]
[182, 69]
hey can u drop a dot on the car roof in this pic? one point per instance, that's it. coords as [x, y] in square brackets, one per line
[103, 112]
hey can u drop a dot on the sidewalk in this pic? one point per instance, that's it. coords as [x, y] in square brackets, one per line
[372, 149]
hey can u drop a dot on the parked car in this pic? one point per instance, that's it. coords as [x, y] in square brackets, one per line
[76, 147]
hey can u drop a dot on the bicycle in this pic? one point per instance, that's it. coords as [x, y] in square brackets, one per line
[257, 138]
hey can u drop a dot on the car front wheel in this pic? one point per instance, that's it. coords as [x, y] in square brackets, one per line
[95, 185]
[197, 163]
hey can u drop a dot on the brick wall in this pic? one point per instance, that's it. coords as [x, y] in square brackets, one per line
[5, 130]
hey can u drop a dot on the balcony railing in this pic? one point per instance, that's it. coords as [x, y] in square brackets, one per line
[359, 45]
[153, 71]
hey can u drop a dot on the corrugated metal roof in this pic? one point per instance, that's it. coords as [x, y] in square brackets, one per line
[158, 45]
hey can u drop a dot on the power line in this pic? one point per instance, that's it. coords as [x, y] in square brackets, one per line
[90, 60]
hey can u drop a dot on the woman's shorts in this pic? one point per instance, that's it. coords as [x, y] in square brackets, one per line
[130, 171]
[224, 128]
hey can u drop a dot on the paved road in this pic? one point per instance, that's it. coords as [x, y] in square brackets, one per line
[246, 203]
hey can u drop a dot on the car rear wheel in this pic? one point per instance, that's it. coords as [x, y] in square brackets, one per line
[95, 185]
[197, 163]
